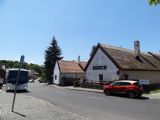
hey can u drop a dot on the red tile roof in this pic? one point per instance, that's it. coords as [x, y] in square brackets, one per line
[83, 64]
[69, 67]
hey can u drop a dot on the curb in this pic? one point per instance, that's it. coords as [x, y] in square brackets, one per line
[84, 90]
[75, 89]
[56, 87]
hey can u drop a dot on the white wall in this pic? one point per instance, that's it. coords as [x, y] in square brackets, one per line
[153, 76]
[100, 59]
[56, 72]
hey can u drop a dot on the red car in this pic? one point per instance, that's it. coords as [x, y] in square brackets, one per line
[131, 88]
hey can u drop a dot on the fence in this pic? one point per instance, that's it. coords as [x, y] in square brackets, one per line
[90, 84]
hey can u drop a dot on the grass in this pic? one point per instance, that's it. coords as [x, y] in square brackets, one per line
[155, 91]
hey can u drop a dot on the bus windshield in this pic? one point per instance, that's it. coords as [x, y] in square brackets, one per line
[12, 76]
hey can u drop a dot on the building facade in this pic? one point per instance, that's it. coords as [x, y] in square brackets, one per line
[109, 63]
[65, 72]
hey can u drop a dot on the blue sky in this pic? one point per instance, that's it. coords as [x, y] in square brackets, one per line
[27, 26]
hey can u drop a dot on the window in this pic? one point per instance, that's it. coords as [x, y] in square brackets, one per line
[100, 77]
[121, 83]
[125, 76]
[116, 84]
[124, 83]
[99, 67]
[55, 77]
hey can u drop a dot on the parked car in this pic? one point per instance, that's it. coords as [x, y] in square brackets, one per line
[131, 88]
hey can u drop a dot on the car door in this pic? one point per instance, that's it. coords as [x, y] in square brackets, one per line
[115, 86]
[123, 86]
[120, 86]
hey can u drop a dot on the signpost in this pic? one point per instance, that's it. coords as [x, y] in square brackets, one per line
[18, 76]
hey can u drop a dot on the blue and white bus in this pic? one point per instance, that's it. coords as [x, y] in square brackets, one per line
[12, 77]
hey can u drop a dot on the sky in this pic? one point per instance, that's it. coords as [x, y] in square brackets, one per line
[28, 26]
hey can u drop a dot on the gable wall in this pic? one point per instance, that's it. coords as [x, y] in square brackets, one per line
[100, 59]
[56, 72]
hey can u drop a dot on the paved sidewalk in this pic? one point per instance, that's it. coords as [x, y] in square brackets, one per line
[152, 95]
[30, 108]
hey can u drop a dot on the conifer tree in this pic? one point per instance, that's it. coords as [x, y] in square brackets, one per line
[52, 54]
[92, 50]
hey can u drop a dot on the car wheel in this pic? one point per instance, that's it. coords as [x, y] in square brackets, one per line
[139, 95]
[107, 92]
[131, 95]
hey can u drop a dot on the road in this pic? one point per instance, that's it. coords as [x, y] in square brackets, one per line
[97, 106]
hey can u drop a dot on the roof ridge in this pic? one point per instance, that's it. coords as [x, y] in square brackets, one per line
[117, 48]
[123, 49]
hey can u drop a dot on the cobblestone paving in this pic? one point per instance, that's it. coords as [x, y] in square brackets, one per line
[29, 108]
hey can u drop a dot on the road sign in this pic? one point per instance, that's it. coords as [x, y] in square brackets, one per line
[144, 82]
[22, 59]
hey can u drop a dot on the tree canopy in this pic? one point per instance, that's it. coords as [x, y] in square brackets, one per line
[28, 66]
[154, 2]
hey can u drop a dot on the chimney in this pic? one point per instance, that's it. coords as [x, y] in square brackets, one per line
[137, 47]
[79, 59]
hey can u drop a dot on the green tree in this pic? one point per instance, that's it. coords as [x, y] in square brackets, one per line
[52, 54]
[15, 64]
[154, 2]
[92, 50]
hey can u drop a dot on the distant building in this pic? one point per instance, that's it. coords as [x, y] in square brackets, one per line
[110, 63]
[33, 74]
[65, 72]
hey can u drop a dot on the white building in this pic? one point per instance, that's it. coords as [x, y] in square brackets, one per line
[110, 63]
[65, 72]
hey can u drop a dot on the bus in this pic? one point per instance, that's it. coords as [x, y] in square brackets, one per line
[11, 78]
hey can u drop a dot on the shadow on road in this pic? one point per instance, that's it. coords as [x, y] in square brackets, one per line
[19, 91]
[125, 96]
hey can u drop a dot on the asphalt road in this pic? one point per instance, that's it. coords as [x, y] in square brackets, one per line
[97, 106]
